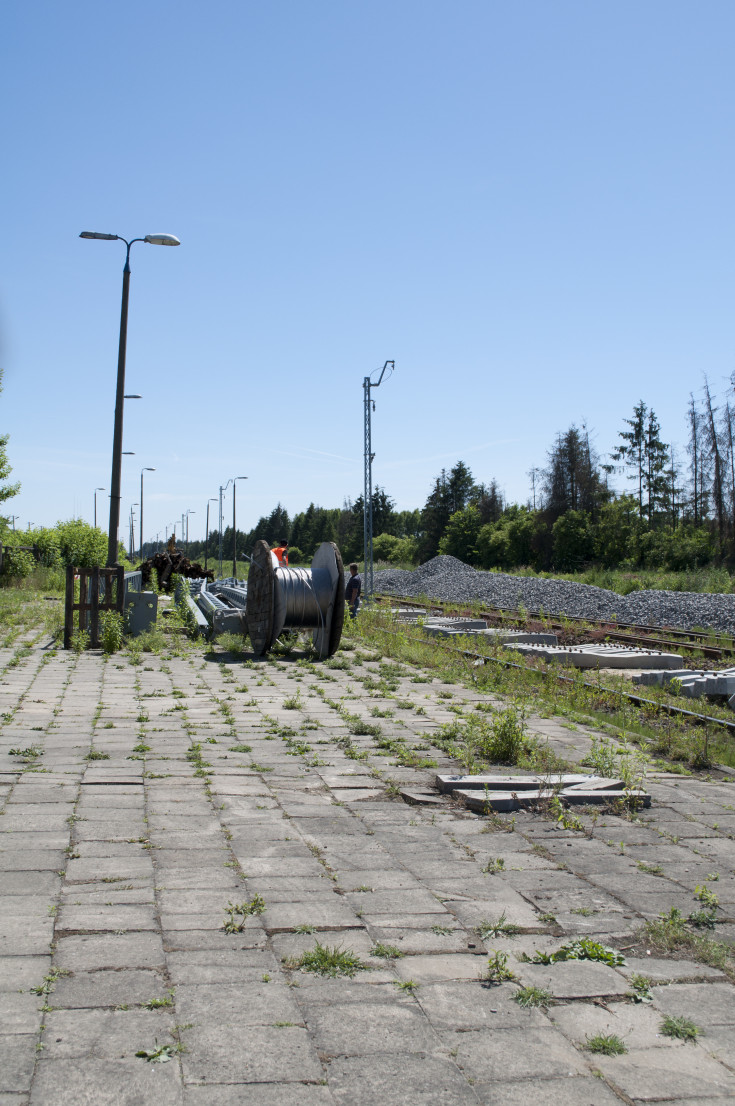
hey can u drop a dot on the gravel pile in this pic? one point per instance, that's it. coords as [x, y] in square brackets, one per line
[452, 580]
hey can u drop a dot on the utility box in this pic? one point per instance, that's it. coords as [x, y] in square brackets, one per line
[141, 611]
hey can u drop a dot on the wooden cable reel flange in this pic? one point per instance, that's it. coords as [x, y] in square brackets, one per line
[283, 598]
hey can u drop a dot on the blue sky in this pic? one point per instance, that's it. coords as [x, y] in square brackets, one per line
[527, 205]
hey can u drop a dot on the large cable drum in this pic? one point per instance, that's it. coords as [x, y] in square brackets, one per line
[283, 598]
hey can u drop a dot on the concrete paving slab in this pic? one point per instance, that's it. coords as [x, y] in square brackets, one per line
[655, 1075]
[263, 1055]
[507, 1054]
[106, 1083]
[398, 1080]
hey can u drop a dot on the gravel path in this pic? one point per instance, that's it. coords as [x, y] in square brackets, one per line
[450, 579]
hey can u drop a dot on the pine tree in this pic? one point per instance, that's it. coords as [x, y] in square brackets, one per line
[632, 449]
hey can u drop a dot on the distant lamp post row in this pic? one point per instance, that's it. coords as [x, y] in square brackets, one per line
[117, 450]
[222, 489]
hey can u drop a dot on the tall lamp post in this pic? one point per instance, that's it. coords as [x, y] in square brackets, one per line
[146, 469]
[152, 240]
[234, 526]
[95, 504]
[206, 533]
[367, 503]
[132, 528]
[222, 490]
[188, 512]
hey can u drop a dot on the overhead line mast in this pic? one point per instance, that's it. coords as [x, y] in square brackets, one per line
[367, 504]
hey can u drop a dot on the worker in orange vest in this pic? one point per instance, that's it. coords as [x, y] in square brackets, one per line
[281, 552]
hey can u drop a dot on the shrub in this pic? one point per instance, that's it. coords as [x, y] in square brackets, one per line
[111, 631]
[17, 564]
[80, 544]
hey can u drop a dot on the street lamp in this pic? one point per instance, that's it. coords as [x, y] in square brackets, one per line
[206, 532]
[189, 512]
[222, 490]
[12, 519]
[152, 240]
[132, 528]
[95, 503]
[146, 469]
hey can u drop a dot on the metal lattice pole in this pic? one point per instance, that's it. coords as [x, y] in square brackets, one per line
[367, 506]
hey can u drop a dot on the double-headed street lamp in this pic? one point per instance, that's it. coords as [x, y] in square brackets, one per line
[222, 489]
[152, 240]
[146, 469]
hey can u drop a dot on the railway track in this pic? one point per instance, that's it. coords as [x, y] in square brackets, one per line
[552, 673]
[648, 637]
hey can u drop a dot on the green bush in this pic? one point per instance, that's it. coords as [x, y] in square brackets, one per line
[111, 631]
[17, 564]
[80, 544]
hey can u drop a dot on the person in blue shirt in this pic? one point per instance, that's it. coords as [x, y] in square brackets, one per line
[353, 588]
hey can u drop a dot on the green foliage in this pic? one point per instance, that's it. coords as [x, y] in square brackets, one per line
[238, 913]
[111, 631]
[461, 535]
[497, 968]
[80, 641]
[329, 961]
[641, 988]
[80, 544]
[606, 1044]
[510, 541]
[17, 564]
[669, 933]
[584, 948]
[386, 952]
[532, 996]
[572, 539]
[681, 1029]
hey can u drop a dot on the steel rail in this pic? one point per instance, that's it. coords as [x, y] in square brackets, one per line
[683, 639]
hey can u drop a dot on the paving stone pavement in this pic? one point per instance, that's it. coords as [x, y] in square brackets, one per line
[166, 790]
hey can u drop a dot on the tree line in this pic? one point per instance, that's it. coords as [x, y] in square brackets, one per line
[677, 512]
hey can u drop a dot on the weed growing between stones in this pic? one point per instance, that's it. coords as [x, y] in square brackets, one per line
[328, 961]
[682, 1029]
[669, 933]
[497, 969]
[582, 949]
[386, 952]
[640, 988]
[160, 1054]
[532, 996]
[500, 928]
[606, 1044]
[112, 631]
[238, 913]
[160, 1003]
